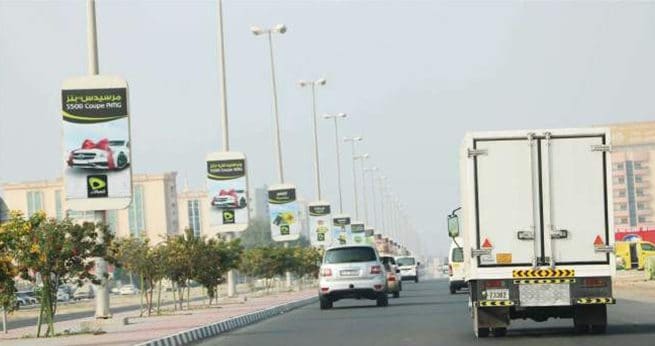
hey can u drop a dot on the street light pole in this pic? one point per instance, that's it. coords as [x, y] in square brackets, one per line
[354, 140]
[336, 117]
[280, 29]
[364, 157]
[102, 294]
[317, 169]
[372, 171]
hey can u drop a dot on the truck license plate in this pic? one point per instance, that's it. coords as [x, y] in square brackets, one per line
[498, 294]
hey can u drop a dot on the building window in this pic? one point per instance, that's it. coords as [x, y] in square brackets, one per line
[136, 215]
[640, 192]
[621, 193]
[193, 209]
[642, 219]
[34, 202]
[623, 206]
[638, 165]
[623, 220]
[638, 179]
[630, 186]
[619, 166]
[641, 206]
[620, 180]
[82, 215]
[59, 212]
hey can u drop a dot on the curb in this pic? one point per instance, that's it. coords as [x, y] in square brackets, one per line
[227, 325]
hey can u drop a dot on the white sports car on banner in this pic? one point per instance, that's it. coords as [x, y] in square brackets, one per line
[104, 155]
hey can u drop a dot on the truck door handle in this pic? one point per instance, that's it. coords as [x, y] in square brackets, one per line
[559, 234]
[525, 235]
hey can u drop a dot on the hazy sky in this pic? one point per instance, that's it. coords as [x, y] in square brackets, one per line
[412, 75]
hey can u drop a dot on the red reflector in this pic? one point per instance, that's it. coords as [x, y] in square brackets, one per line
[326, 272]
[594, 282]
[325, 289]
[377, 287]
[494, 284]
[391, 278]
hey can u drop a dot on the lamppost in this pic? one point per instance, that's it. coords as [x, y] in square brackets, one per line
[353, 141]
[371, 172]
[278, 29]
[317, 170]
[336, 117]
[362, 158]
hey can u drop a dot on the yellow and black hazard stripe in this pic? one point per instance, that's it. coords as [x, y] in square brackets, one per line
[542, 273]
[596, 300]
[495, 303]
[544, 281]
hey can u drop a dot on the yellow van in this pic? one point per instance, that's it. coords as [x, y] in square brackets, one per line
[634, 253]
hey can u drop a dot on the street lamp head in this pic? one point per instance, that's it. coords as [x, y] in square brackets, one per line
[256, 30]
[342, 115]
[302, 83]
[280, 28]
[365, 156]
[321, 81]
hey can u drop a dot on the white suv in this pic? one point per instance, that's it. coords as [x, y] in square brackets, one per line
[408, 267]
[352, 271]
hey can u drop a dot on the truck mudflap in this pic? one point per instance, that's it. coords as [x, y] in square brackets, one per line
[595, 300]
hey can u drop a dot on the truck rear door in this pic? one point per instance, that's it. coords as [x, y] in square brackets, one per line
[575, 205]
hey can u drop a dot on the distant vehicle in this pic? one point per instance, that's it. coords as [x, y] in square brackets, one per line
[21, 301]
[634, 253]
[456, 267]
[128, 290]
[353, 271]
[84, 292]
[27, 297]
[537, 227]
[408, 267]
[230, 199]
[103, 155]
[62, 295]
[394, 282]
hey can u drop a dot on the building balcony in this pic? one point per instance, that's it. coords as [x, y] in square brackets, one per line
[644, 198]
[618, 199]
[644, 212]
[618, 173]
[621, 213]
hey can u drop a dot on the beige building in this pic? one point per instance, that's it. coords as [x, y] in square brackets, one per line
[633, 175]
[153, 212]
[193, 210]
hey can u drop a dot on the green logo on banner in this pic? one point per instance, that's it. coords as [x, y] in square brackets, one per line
[96, 186]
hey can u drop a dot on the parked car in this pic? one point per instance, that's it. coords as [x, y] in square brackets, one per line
[634, 253]
[62, 295]
[105, 155]
[408, 267]
[84, 292]
[352, 271]
[128, 290]
[20, 302]
[28, 297]
[230, 199]
[394, 282]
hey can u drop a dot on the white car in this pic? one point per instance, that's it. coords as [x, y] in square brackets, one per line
[353, 271]
[456, 267]
[63, 296]
[128, 290]
[230, 199]
[104, 155]
[408, 267]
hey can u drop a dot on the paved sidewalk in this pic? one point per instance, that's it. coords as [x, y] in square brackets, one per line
[632, 285]
[143, 329]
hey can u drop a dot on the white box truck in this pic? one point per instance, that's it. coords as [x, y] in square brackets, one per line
[537, 228]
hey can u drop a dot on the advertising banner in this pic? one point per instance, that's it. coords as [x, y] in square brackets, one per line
[227, 187]
[369, 233]
[341, 232]
[319, 224]
[96, 143]
[358, 230]
[284, 212]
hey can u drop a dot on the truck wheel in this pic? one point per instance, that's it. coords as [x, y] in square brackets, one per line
[500, 332]
[382, 300]
[416, 278]
[598, 329]
[325, 303]
[452, 289]
[396, 294]
[479, 332]
[483, 332]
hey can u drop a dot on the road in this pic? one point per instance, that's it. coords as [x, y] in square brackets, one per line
[426, 314]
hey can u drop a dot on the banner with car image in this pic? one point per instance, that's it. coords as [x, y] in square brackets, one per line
[358, 230]
[369, 234]
[341, 232]
[284, 212]
[96, 143]
[227, 187]
[319, 224]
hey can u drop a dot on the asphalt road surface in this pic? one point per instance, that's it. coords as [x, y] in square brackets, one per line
[426, 314]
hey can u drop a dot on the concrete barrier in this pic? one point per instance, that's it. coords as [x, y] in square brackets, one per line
[227, 325]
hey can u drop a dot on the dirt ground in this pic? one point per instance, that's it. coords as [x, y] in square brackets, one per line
[632, 284]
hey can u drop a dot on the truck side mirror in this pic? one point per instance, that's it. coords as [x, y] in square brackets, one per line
[453, 226]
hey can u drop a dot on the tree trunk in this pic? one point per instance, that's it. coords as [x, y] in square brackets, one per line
[188, 296]
[174, 285]
[158, 297]
[143, 292]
